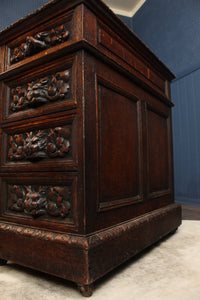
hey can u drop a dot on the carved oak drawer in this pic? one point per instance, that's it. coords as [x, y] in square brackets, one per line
[43, 37]
[36, 200]
[51, 144]
[40, 91]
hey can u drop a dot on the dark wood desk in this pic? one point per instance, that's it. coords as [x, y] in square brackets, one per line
[86, 145]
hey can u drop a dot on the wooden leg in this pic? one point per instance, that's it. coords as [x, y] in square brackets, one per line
[86, 290]
[3, 262]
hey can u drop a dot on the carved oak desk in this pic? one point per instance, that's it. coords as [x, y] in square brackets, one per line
[86, 146]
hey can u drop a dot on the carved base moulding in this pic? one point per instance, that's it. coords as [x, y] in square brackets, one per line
[70, 252]
[86, 168]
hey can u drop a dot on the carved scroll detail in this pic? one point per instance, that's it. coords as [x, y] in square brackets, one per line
[41, 144]
[38, 201]
[39, 92]
[39, 42]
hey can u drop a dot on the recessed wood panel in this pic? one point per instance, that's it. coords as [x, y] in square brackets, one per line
[119, 155]
[158, 152]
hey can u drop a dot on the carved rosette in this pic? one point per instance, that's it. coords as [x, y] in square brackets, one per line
[36, 93]
[40, 200]
[38, 145]
[40, 41]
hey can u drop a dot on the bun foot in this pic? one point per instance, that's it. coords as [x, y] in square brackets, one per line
[86, 290]
[174, 231]
[3, 262]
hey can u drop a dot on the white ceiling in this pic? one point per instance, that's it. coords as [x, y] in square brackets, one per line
[125, 7]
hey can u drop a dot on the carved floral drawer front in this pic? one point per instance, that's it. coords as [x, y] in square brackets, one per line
[40, 200]
[41, 38]
[39, 145]
[39, 42]
[45, 90]
[35, 199]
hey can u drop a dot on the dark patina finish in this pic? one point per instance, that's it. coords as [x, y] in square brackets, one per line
[86, 168]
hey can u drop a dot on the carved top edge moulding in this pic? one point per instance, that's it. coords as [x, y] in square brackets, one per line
[58, 34]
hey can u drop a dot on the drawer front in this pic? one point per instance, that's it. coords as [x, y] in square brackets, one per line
[40, 200]
[42, 145]
[41, 38]
[40, 91]
[45, 89]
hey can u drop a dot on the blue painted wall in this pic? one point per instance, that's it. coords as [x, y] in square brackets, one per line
[171, 30]
[128, 21]
[186, 125]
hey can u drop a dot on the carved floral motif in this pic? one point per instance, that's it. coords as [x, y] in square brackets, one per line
[39, 42]
[40, 200]
[39, 92]
[41, 144]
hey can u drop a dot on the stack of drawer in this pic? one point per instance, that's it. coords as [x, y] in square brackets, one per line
[39, 127]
